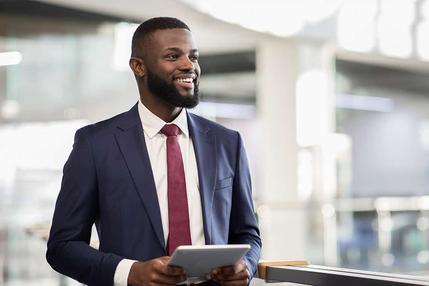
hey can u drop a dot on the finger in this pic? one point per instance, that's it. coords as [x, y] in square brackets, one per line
[161, 266]
[214, 271]
[230, 270]
[224, 270]
[237, 267]
[240, 266]
[164, 258]
[166, 279]
[174, 270]
[231, 277]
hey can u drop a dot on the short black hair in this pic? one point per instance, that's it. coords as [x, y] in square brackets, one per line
[151, 25]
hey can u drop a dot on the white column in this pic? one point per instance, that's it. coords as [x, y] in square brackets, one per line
[281, 65]
[281, 220]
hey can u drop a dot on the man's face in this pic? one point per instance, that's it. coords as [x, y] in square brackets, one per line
[172, 69]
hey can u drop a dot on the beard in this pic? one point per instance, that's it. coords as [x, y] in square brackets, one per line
[169, 93]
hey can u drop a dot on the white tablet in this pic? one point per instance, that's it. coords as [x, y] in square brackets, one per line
[199, 260]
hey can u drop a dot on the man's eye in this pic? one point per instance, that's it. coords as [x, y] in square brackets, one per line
[194, 58]
[171, 57]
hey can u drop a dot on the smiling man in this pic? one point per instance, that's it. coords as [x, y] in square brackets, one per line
[154, 178]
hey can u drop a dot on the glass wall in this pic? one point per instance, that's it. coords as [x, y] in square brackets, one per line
[59, 74]
[384, 112]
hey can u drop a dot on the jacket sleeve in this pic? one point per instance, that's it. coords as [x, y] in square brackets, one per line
[243, 224]
[76, 210]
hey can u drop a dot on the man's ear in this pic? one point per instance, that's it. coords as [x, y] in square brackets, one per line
[137, 66]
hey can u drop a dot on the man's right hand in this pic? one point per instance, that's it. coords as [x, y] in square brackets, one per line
[155, 272]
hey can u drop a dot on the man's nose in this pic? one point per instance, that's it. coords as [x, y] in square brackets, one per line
[187, 64]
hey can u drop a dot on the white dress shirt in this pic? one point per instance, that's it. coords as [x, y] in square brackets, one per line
[157, 150]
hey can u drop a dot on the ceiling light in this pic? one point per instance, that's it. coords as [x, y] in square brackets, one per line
[10, 58]
[356, 25]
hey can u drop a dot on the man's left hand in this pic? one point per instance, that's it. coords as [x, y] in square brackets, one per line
[234, 275]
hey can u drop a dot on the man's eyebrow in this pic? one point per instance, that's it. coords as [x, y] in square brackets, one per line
[174, 49]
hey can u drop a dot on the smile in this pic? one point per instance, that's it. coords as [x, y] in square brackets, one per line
[185, 82]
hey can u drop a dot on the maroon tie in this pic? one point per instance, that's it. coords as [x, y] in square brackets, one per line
[178, 217]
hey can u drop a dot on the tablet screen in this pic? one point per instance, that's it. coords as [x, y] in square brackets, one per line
[197, 261]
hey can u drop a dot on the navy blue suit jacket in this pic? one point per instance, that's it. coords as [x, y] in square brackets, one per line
[108, 180]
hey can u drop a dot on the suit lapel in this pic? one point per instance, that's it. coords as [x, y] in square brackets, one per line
[130, 138]
[204, 143]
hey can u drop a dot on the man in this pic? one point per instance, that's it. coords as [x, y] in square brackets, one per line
[153, 178]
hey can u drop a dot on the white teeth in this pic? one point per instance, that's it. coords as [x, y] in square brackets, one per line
[188, 80]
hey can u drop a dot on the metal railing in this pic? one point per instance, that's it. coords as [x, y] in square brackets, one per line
[331, 276]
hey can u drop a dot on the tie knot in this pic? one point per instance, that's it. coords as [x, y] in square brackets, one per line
[170, 130]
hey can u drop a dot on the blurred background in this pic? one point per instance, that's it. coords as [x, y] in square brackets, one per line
[330, 96]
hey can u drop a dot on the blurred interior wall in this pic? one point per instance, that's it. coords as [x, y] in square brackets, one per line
[280, 65]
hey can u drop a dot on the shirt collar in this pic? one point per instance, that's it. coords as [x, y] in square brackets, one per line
[152, 124]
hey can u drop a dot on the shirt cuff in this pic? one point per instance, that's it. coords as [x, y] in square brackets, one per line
[122, 271]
